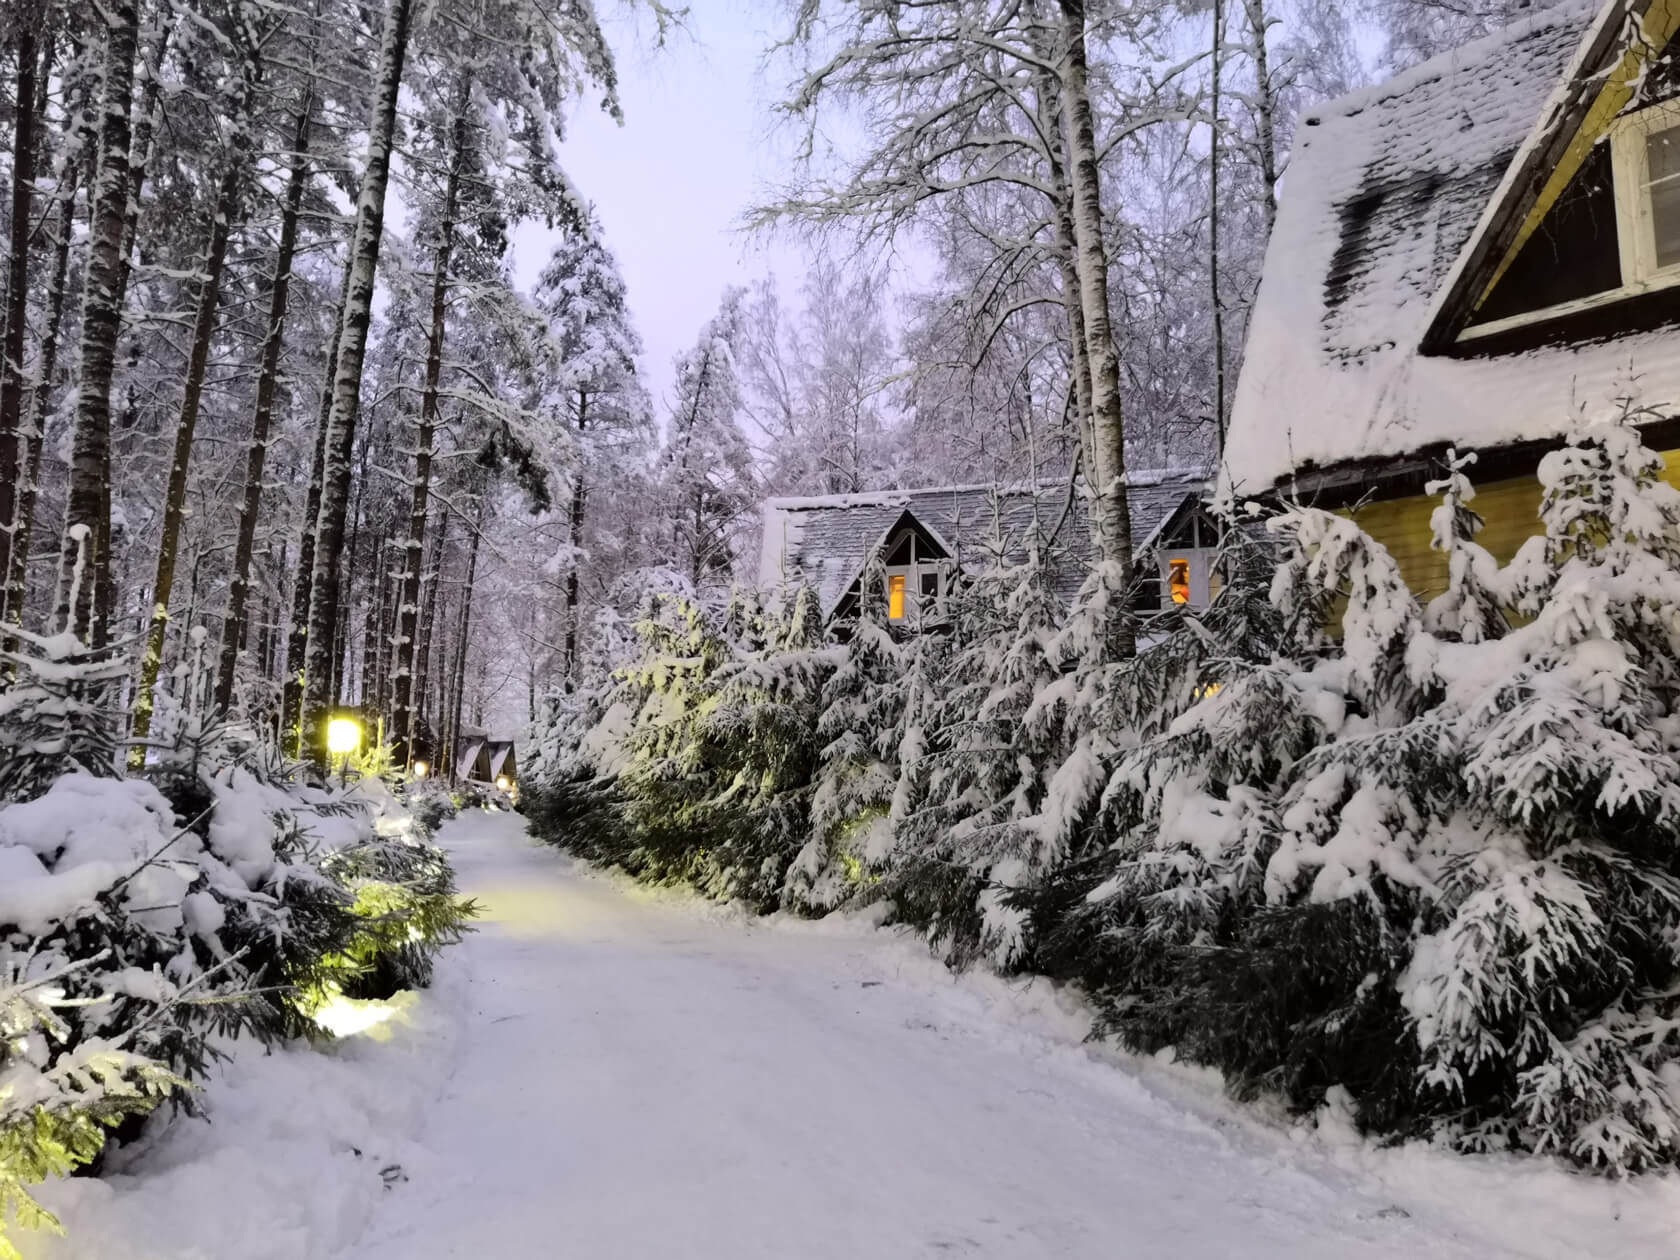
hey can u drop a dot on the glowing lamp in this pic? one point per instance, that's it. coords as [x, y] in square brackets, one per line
[419, 769]
[502, 784]
[344, 736]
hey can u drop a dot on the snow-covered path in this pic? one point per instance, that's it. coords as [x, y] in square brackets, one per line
[607, 1073]
[644, 1077]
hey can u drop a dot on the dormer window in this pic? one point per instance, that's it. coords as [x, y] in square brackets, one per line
[1612, 233]
[895, 596]
[1646, 146]
[915, 575]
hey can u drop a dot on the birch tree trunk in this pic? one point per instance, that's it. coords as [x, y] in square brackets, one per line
[1111, 514]
[17, 286]
[347, 384]
[1265, 113]
[90, 448]
[1049, 121]
[175, 501]
[268, 377]
[408, 601]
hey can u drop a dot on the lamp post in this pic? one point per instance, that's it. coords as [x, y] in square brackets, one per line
[344, 736]
[420, 769]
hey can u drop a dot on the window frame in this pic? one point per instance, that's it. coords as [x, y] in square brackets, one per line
[1635, 228]
[1198, 562]
[1635, 217]
[915, 602]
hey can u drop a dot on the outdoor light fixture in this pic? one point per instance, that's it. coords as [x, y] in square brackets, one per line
[502, 783]
[419, 769]
[344, 736]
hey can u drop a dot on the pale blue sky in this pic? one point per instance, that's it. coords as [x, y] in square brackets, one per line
[672, 182]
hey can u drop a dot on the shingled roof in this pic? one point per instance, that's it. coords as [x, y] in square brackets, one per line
[1385, 190]
[825, 540]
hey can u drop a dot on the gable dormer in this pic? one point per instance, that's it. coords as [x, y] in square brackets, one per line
[1582, 239]
[918, 564]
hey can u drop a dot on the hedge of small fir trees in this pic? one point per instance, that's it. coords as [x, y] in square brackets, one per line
[1421, 861]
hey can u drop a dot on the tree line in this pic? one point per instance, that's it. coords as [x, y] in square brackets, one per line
[265, 369]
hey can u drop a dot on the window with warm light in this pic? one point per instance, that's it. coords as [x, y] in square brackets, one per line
[1178, 579]
[895, 596]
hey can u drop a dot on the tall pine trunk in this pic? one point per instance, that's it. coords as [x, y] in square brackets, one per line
[297, 632]
[46, 363]
[1214, 152]
[228, 201]
[90, 448]
[1111, 513]
[347, 386]
[40, 406]
[408, 601]
[580, 493]
[268, 378]
[428, 619]
[17, 285]
[463, 627]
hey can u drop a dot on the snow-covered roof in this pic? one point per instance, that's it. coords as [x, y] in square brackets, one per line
[825, 540]
[1385, 190]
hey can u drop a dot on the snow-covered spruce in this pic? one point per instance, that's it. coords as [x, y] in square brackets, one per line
[142, 918]
[1433, 872]
[973, 770]
[1419, 861]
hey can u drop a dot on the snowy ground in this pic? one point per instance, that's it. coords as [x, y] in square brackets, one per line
[605, 1072]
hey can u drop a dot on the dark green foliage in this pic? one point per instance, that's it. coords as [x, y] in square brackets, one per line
[404, 912]
[59, 711]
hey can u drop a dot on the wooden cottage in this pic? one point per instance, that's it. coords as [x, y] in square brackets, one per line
[1477, 254]
[926, 538]
[486, 759]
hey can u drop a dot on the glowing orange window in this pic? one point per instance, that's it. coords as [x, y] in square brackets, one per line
[1178, 580]
[895, 596]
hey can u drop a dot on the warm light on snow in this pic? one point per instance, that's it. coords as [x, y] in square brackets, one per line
[349, 1017]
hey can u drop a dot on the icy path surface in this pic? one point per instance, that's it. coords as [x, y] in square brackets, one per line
[644, 1077]
[607, 1073]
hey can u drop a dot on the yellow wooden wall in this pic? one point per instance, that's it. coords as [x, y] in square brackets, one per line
[1510, 508]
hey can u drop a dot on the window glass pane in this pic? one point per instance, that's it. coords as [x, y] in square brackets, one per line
[1178, 580]
[1662, 151]
[895, 596]
[930, 585]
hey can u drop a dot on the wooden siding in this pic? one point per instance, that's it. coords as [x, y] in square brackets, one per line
[1510, 508]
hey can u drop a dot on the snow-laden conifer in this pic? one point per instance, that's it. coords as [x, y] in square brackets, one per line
[862, 705]
[972, 837]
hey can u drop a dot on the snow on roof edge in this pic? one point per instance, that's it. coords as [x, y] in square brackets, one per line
[1361, 99]
[891, 498]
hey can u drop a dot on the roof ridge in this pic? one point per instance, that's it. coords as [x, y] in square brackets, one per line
[1361, 99]
[891, 498]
